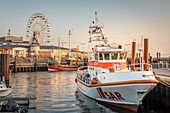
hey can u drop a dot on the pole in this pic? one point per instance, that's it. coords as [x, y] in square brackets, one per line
[59, 56]
[83, 49]
[89, 47]
[69, 41]
[4, 68]
[146, 44]
[15, 64]
[133, 56]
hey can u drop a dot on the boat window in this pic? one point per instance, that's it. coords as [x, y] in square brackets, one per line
[106, 56]
[114, 56]
[121, 56]
[96, 56]
[100, 56]
[125, 55]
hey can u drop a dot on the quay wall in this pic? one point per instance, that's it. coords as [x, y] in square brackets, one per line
[158, 97]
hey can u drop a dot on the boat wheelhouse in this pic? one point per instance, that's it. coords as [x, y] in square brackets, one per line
[109, 59]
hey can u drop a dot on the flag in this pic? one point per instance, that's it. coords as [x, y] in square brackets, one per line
[143, 60]
[89, 31]
[95, 12]
[94, 31]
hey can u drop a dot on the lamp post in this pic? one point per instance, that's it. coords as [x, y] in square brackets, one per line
[83, 49]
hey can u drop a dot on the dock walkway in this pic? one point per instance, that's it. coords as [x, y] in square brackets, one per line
[164, 74]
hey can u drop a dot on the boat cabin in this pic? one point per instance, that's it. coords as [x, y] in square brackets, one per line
[109, 58]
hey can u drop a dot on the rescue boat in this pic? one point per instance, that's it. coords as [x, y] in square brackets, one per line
[108, 78]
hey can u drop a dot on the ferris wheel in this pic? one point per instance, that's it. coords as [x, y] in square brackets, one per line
[38, 27]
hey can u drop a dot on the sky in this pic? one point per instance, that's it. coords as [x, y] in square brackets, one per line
[124, 20]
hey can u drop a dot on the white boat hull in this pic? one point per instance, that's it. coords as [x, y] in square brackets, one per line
[5, 92]
[124, 95]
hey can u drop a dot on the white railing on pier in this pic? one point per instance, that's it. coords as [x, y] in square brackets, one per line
[164, 65]
[139, 66]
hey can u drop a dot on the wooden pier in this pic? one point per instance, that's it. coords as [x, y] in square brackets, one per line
[18, 100]
[29, 67]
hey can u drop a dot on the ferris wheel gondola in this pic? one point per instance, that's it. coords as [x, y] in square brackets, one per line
[38, 24]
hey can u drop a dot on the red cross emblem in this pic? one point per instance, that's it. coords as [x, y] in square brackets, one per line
[116, 67]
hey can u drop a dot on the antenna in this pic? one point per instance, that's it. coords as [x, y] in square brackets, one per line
[9, 32]
[96, 19]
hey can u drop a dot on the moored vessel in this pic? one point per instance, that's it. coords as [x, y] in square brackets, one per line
[109, 79]
[4, 90]
[62, 68]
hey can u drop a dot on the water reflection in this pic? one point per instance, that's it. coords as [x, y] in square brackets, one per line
[56, 92]
[90, 105]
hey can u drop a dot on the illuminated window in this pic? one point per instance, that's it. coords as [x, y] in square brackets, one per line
[125, 55]
[121, 56]
[114, 56]
[96, 56]
[107, 56]
[100, 56]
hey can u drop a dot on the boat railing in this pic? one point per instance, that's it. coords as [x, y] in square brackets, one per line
[140, 66]
[83, 74]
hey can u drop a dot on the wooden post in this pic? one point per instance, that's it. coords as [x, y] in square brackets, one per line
[146, 45]
[4, 67]
[35, 63]
[133, 56]
[151, 59]
[157, 56]
[15, 64]
[120, 46]
[136, 57]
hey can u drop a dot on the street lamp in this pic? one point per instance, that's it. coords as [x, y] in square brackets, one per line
[83, 49]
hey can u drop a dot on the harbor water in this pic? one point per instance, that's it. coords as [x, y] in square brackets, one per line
[56, 92]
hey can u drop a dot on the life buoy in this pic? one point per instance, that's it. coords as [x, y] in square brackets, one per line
[112, 70]
[93, 81]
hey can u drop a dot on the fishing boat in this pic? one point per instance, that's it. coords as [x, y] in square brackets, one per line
[108, 78]
[69, 66]
[4, 90]
[62, 68]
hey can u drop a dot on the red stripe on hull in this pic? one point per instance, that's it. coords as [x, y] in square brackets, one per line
[126, 106]
[62, 68]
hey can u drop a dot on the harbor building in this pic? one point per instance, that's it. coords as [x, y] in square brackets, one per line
[17, 46]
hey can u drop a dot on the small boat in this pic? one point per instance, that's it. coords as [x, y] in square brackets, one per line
[109, 79]
[4, 90]
[71, 65]
[62, 68]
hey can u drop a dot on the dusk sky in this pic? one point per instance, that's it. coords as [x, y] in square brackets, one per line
[124, 20]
